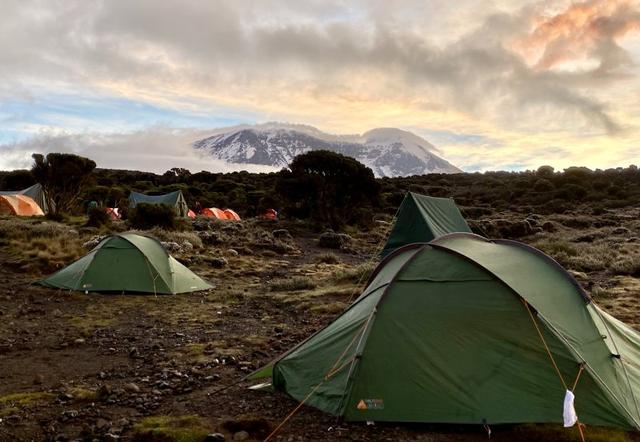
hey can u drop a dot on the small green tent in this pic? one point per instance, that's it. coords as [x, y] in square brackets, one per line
[457, 331]
[173, 199]
[127, 262]
[35, 192]
[422, 218]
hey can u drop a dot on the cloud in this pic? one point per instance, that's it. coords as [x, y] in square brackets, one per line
[262, 57]
[155, 149]
[506, 70]
[585, 30]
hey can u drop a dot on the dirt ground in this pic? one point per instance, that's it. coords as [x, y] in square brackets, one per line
[76, 366]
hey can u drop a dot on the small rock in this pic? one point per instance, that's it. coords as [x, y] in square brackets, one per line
[93, 242]
[132, 388]
[104, 392]
[70, 414]
[241, 435]
[65, 397]
[215, 437]
[218, 263]
[171, 246]
[231, 252]
[133, 352]
[79, 341]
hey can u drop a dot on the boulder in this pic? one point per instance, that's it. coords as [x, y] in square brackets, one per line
[93, 242]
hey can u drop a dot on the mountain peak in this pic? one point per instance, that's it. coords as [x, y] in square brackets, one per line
[387, 151]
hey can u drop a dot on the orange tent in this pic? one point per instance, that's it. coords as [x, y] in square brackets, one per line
[270, 214]
[233, 216]
[21, 205]
[191, 214]
[214, 212]
[113, 213]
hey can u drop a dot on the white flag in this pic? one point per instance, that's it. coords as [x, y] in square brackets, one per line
[569, 413]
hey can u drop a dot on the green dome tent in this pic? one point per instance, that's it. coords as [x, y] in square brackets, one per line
[467, 330]
[173, 199]
[127, 262]
[422, 218]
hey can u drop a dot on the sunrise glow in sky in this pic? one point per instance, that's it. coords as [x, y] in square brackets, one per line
[494, 84]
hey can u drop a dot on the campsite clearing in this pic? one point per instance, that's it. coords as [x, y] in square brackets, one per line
[77, 364]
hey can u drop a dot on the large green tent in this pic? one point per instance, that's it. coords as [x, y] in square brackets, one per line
[422, 218]
[35, 192]
[173, 199]
[457, 331]
[127, 262]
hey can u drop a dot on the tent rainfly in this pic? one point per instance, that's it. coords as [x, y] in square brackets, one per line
[127, 262]
[466, 330]
[20, 205]
[35, 192]
[231, 215]
[214, 212]
[174, 199]
[422, 218]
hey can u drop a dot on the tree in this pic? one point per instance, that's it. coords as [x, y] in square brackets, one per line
[545, 171]
[17, 180]
[63, 178]
[328, 187]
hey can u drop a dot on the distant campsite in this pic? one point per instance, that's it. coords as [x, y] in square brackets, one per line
[306, 296]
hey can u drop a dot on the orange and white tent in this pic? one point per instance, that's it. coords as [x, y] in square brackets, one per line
[231, 215]
[214, 212]
[113, 213]
[20, 205]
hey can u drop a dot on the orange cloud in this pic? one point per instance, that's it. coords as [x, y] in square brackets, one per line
[583, 31]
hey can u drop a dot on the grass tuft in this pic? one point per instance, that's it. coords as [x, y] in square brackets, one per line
[189, 428]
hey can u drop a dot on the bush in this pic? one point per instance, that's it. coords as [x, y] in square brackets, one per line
[146, 216]
[98, 217]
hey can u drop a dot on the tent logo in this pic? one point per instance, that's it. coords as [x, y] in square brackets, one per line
[370, 404]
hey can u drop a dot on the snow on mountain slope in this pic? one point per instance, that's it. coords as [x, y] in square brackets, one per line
[387, 151]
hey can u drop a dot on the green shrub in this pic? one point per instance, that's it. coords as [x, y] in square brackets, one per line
[146, 216]
[98, 217]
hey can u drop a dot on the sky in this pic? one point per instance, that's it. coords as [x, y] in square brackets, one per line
[494, 84]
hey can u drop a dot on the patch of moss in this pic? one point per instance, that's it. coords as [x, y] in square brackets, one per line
[189, 428]
[83, 394]
[11, 403]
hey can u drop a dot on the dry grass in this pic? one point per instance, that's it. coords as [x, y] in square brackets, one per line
[328, 258]
[292, 284]
[354, 274]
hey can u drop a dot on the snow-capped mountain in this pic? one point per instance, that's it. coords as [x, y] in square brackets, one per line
[387, 151]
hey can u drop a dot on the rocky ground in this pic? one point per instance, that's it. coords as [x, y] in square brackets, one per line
[77, 366]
